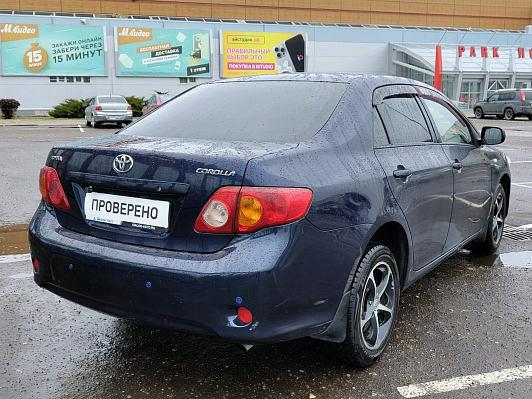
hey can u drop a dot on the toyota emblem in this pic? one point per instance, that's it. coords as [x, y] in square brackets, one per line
[123, 163]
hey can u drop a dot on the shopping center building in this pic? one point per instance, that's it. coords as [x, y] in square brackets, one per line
[73, 49]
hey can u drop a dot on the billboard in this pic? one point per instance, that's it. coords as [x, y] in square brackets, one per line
[257, 53]
[163, 52]
[52, 50]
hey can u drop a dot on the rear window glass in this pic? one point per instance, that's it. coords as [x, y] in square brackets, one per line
[111, 99]
[165, 98]
[259, 111]
[403, 120]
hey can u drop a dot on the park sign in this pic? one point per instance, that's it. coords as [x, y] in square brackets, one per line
[52, 50]
[163, 52]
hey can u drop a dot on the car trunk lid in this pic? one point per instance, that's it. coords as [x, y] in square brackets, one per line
[173, 174]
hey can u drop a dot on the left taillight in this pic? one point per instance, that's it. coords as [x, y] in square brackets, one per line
[129, 108]
[523, 96]
[51, 188]
[233, 210]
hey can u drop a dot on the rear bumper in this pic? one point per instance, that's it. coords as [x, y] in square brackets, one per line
[114, 118]
[291, 278]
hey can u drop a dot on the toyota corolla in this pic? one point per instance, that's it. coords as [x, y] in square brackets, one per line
[271, 208]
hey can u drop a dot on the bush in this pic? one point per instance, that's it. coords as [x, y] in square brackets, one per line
[9, 106]
[70, 108]
[136, 104]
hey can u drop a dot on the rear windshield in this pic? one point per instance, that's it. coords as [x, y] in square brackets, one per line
[111, 99]
[260, 111]
[165, 98]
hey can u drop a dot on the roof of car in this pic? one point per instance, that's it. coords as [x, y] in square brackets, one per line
[372, 80]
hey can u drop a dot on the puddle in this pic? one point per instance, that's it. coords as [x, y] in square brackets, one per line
[517, 259]
[14, 240]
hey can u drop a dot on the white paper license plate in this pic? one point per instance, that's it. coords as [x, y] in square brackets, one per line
[114, 118]
[139, 213]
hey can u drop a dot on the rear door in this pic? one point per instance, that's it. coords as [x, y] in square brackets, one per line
[417, 170]
[471, 171]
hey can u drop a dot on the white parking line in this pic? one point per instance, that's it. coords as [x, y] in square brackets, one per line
[521, 162]
[14, 258]
[81, 129]
[470, 381]
[525, 185]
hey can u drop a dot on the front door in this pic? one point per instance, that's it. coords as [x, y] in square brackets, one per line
[471, 172]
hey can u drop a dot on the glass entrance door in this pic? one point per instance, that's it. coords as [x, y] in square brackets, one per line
[470, 93]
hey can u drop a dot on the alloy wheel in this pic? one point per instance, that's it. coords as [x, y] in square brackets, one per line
[377, 306]
[498, 218]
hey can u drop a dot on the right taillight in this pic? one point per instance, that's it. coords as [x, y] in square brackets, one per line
[248, 209]
[51, 188]
[98, 108]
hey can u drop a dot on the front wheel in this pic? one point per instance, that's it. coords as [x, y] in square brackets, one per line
[496, 219]
[373, 306]
[478, 113]
[509, 114]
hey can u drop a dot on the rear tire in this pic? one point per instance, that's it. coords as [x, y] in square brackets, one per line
[509, 114]
[479, 114]
[87, 123]
[496, 219]
[94, 124]
[373, 305]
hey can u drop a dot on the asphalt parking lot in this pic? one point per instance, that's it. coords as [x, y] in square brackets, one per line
[463, 331]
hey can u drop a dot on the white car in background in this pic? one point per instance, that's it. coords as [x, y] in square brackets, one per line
[108, 109]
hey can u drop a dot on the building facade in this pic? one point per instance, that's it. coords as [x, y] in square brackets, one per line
[476, 61]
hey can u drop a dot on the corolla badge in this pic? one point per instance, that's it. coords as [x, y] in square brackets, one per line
[122, 163]
[216, 172]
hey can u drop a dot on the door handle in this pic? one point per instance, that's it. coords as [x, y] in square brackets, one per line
[402, 173]
[457, 166]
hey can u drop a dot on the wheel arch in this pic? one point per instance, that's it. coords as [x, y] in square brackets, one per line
[393, 235]
[390, 233]
[506, 184]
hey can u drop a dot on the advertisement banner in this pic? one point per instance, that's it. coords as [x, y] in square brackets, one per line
[258, 53]
[52, 50]
[163, 52]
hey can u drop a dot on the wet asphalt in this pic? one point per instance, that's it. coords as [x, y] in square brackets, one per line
[469, 316]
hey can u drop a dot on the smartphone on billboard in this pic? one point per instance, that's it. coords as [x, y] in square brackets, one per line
[290, 55]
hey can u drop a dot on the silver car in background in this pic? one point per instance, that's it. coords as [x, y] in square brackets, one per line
[108, 109]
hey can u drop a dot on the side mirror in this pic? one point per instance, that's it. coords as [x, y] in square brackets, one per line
[492, 135]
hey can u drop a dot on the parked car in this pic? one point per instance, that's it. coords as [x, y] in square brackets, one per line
[302, 209]
[506, 104]
[154, 101]
[108, 109]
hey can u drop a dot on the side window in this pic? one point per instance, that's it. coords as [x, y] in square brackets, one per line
[511, 95]
[151, 100]
[493, 98]
[449, 126]
[404, 121]
[504, 97]
[380, 139]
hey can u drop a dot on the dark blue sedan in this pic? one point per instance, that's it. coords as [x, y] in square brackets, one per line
[271, 208]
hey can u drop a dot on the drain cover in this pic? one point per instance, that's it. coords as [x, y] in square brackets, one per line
[516, 233]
